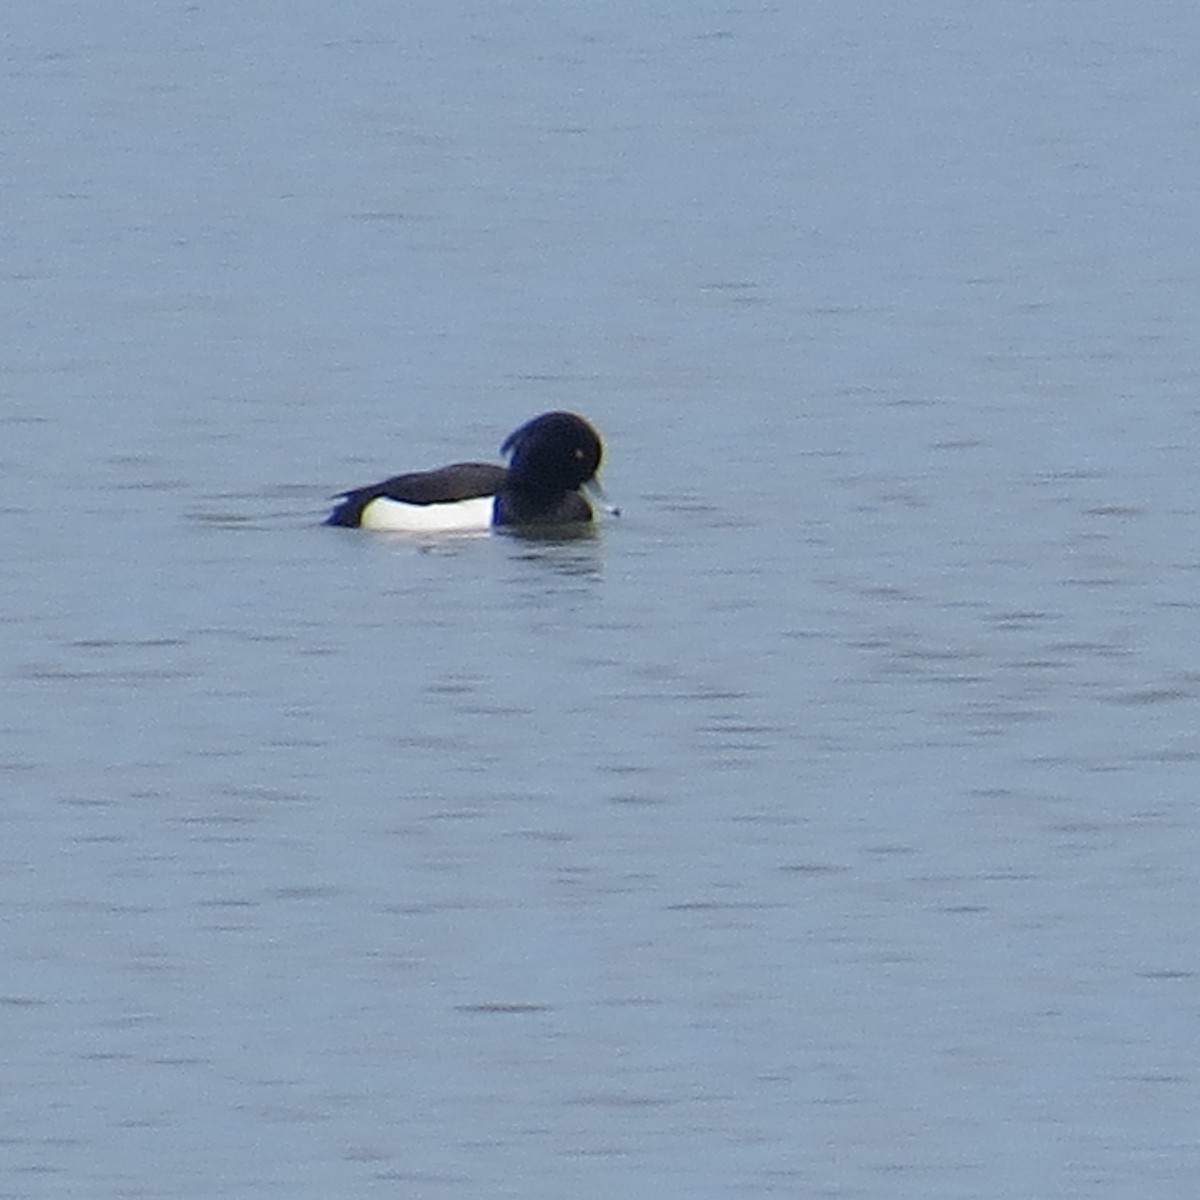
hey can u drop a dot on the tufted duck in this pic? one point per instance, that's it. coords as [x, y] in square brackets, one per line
[552, 457]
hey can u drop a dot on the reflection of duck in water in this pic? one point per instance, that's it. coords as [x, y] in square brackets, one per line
[554, 458]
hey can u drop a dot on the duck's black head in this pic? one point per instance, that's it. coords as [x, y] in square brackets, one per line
[554, 453]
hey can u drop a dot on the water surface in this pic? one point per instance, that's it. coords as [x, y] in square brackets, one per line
[823, 827]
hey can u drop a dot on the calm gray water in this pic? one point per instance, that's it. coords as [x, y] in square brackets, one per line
[824, 827]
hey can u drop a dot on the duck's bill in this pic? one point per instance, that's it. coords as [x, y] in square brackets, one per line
[596, 494]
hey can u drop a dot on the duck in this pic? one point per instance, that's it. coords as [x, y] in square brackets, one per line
[552, 461]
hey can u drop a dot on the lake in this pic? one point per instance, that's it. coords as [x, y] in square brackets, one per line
[823, 826]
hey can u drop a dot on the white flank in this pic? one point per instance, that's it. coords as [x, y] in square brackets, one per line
[394, 516]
